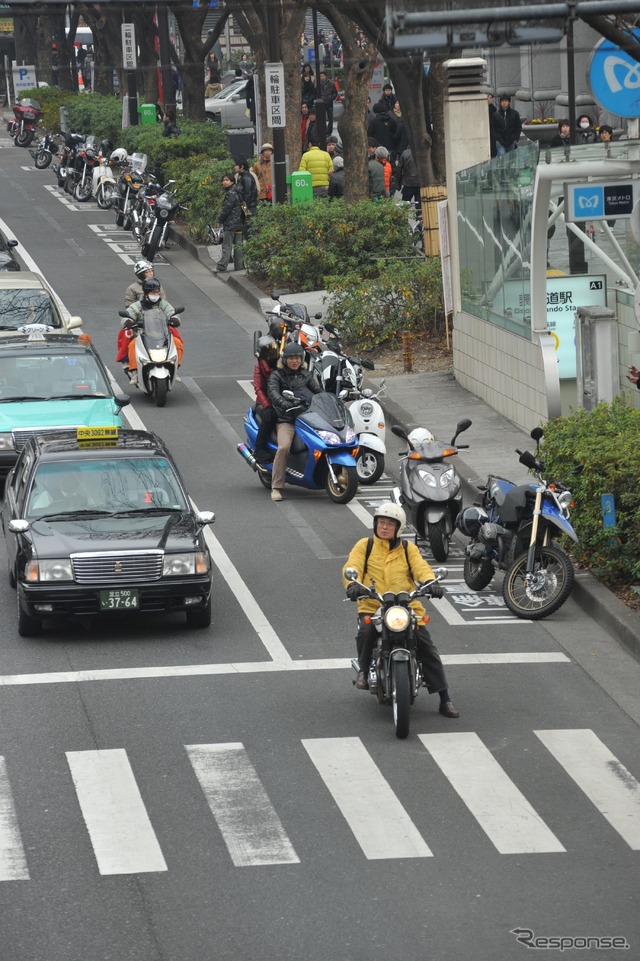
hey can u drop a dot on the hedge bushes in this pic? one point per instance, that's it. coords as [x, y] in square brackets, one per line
[605, 440]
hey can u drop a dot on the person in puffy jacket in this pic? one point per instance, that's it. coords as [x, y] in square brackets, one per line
[408, 176]
[319, 164]
[290, 374]
[151, 299]
[231, 220]
[267, 360]
[393, 565]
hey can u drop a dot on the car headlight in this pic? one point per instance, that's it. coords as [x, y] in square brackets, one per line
[397, 618]
[6, 441]
[447, 478]
[56, 569]
[427, 477]
[329, 437]
[180, 565]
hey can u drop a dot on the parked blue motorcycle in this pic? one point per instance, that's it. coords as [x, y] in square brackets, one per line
[513, 531]
[323, 451]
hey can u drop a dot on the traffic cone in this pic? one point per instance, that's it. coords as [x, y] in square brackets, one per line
[80, 80]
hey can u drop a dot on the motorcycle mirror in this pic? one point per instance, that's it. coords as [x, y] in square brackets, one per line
[121, 399]
[464, 424]
[527, 458]
[12, 243]
[329, 327]
[367, 392]
[343, 394]
[318, 316]
[399, 431]
[178, 310]
[441, 573]
[123, 313]
[351, 574]
[577, 470]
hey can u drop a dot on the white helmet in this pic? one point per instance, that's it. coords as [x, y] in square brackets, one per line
[141, 267]
[394, 512]
[420, 436]
[119, 156]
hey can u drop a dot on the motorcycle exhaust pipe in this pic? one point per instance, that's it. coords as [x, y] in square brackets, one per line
[244, 451]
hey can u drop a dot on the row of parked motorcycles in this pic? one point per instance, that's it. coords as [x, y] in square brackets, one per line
[88, 170]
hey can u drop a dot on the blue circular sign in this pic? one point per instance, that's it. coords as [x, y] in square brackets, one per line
[614, 77]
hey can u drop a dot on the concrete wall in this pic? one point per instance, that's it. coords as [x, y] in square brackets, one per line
[501, 368]
[628, 345]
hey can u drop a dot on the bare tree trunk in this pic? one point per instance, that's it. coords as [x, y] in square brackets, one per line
[406, 77]
[107, 47]
[190, 20]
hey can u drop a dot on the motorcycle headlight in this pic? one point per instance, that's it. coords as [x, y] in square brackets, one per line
[57, 569]
[329, 437]
[397, 619]
[163, 213]
[427, 477]
[158, 356]
[351, 436]
[6, 441]
[447, 478]
[564, 499]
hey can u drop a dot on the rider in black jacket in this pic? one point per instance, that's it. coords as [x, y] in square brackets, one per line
[291, 374]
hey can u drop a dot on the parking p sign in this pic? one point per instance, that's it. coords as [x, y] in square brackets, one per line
[24, 78]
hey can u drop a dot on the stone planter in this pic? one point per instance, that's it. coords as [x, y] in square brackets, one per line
[542, 132]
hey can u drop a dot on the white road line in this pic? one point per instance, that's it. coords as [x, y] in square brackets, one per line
[606, 782]
[121, 834]
[257, 667]
[501, 810]
[247, 386]
[13, 861]
[248, 822]
[381, 826]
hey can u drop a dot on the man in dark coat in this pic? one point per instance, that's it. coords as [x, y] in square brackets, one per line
[388, 98]
[383, 127]
[328, 93]
[232, 223]
[506, 126]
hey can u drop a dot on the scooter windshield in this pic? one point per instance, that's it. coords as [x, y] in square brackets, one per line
[155, 331]
[327, 410]
[431, 451]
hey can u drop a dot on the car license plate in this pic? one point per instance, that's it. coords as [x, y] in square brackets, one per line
[122, 599]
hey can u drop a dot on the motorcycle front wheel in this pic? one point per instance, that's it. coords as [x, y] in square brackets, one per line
[345, 487]
[438, 539]
[370, 466]
[24, 139]
[82, 190]
[42, 159]
[160, 391]
[546, 589]
[478, 574]
[104, 196]
[151, 245]
[400, 697]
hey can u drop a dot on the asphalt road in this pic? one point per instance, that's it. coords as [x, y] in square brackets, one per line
[226, 795]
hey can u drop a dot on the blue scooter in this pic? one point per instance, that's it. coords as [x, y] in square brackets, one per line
[323, 451]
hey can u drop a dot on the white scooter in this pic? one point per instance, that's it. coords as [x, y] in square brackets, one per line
[104, 183]
[156, 354]
[368, 422]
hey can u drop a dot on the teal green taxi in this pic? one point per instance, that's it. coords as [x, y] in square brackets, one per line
[48, 382]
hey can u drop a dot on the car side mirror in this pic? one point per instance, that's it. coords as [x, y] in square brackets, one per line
[12, 243]
[74, 322]
[122, 400]
[205, 517]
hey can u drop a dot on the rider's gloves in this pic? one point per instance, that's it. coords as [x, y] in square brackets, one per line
[436, 590]
[354, 591]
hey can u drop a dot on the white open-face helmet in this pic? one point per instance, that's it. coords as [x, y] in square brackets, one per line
[141, 267]
[393, 511]
[119, 155]
[419, 436]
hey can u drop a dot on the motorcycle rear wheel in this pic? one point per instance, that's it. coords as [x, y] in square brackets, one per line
[82, 191]
[554, 576]
[370, 466]
[42, 159]
[24, 139]
[438, 539]
[478, 574]
[400, 697]
[265, 479]
[160, 391]
[346, 487]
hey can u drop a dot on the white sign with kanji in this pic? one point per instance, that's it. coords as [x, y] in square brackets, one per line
[129, 51]
[274, 90]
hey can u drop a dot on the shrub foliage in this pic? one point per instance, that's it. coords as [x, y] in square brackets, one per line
[605, 441]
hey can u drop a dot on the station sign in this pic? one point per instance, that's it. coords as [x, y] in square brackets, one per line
[599, 201]
[614, 78]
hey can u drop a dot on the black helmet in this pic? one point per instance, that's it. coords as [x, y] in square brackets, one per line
[150, 285]
[106, 147]
[293, 349]
[469, 521]
[266, 345]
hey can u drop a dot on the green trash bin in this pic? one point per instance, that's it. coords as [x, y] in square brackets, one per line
[147, 113]
[301, 189]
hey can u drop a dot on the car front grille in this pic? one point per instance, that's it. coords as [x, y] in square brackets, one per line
[128, 567]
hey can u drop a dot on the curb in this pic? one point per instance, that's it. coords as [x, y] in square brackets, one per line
[601, 604]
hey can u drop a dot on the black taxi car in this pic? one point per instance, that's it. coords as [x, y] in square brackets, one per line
[97, 521]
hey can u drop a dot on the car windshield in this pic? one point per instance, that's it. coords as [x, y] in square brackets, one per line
[116, 485]
[49, 376]
[234, 88]
[23, 306]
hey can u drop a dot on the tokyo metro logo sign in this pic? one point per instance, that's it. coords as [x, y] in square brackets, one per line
[614, 77]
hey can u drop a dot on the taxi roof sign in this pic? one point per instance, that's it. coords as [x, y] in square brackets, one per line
[97, 436]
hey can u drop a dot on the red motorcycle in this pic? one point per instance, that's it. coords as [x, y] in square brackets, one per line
[23, 127]
[85, 163]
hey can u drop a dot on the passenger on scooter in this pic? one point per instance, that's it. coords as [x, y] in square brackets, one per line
[267, 360]
[393, 565]
[151, 299]
[143, 270]
[290, 374]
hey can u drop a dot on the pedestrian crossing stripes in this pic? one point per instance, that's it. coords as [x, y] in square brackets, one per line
[124, 841]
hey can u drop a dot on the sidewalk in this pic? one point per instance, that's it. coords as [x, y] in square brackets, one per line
[437, 401]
